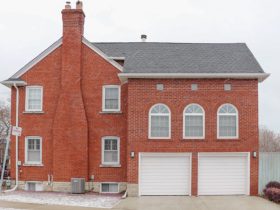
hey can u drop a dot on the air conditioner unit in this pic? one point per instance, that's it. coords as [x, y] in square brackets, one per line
[78, 185]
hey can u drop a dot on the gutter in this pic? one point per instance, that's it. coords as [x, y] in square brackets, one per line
[17, 107]
[259, 76]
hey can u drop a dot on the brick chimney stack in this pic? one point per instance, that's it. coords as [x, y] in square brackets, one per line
[70, 128]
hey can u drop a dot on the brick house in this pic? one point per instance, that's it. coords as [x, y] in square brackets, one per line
[149, 118]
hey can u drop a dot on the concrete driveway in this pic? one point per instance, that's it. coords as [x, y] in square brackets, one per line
[169, 203]
[197, 203]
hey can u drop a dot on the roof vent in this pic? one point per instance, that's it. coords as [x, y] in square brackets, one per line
[143, 37]
[68, 5]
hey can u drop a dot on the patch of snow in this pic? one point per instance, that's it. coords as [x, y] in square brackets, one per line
[65, 199]
[1, 208]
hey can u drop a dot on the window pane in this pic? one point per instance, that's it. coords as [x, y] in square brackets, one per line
[111, 98]
[33, 156]
[160, 108]
[194, 126]
[227, 126]
[113, 188]
[34, 150]
[111, 156]
[159, 126]
[105, 187]
[107, 145]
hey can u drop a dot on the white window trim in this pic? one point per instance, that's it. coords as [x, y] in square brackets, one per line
[26, 99]
[159, 114]
[109, 183]
[103, 98]
[102, 149]
[194, 114]
[227, 114]
[26, 162]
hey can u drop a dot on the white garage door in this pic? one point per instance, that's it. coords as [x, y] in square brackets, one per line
[223, 174]
[164, 174]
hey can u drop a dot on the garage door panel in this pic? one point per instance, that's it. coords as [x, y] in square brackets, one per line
[223, 174]
[164, 174]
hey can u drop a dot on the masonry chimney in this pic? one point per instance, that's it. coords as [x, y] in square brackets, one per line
[70, 128]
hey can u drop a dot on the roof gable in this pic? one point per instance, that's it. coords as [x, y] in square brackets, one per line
[37, 59]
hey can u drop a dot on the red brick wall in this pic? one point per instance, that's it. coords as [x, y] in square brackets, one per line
[47, 74]
[142, 94]
[96, 72]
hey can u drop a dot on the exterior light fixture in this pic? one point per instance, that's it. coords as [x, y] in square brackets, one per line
[254, 154]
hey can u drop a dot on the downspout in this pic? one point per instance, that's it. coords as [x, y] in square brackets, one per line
[17, 107]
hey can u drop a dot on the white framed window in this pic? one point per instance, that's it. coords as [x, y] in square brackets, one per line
[194, 122]
[227, 125]
[34, 98]
[159, 122]
[33, 150]
[109, 187]
[110, 150]
[111, 98]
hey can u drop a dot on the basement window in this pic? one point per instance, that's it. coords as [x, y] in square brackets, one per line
[33, 186]
[109, 187]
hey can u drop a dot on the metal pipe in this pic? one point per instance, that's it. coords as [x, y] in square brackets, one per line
[17, 107]
[5, 157]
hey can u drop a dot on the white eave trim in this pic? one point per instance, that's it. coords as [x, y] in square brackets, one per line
[37, 59]
[260, 76]
[102, 54]
[10, 83]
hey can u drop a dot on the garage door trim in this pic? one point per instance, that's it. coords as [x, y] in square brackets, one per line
[221, 154]
[167, 154]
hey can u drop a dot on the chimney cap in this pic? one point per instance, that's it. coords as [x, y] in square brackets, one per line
[68, 5]
[143, 37]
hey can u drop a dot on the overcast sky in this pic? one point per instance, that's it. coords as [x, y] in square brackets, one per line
[28, 27]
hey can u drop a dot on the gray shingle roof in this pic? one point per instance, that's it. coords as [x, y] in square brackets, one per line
[150, 57]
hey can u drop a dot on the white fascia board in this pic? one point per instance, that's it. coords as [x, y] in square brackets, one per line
[37, 59]
[116, 58]
[10, 83]
[260, 76]
[102, 54]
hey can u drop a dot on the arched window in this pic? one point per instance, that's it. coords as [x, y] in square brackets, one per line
[227, 122]
[159, 122]
[194, 122]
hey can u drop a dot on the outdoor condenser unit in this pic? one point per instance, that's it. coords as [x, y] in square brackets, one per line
[78, 185]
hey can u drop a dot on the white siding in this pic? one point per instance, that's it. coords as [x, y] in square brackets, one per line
[223, 174]
[165, 174]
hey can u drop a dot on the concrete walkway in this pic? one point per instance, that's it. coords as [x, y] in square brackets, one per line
[170, 203]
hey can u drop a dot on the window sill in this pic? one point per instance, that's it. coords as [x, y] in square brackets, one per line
[111, 112]
[33, 164]
[193, 139]
[33, 112]
[110, 166]
[163, 139]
